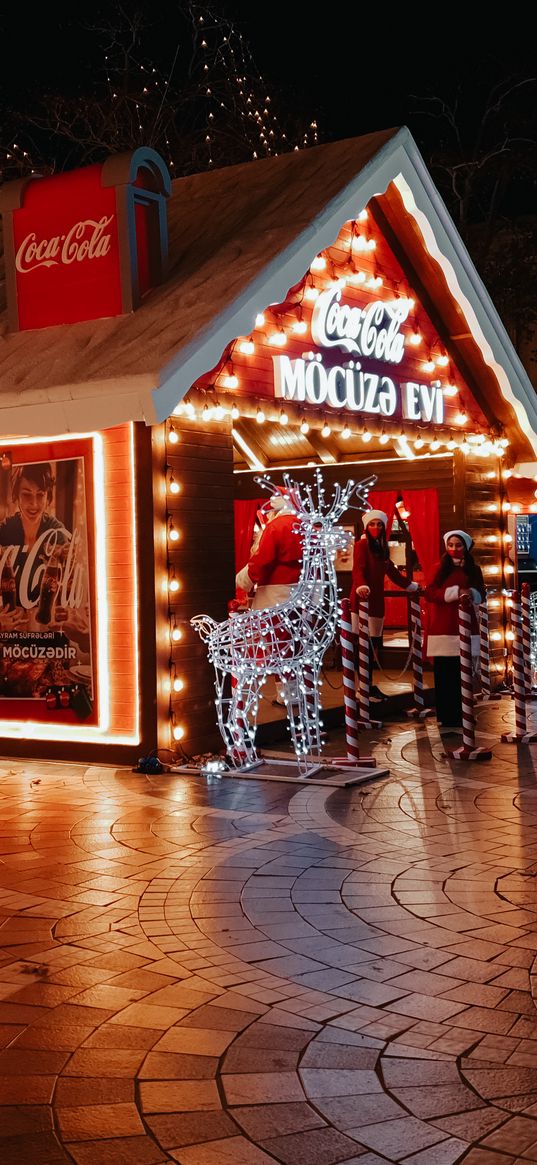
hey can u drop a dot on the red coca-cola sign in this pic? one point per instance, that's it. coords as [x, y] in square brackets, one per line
[85, 244]
[66, 245]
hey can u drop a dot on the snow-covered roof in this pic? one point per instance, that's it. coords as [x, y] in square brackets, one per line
[239, 239]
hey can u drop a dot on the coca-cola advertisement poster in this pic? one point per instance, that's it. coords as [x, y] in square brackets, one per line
[47, 636]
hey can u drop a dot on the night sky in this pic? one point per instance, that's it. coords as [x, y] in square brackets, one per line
[354, 69]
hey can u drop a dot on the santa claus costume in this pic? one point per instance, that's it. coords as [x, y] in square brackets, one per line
[371, 565]
[275, 565]
[456, 574]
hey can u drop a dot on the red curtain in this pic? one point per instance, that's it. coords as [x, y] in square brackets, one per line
[245, 515]
[395, 609]
[424, 526]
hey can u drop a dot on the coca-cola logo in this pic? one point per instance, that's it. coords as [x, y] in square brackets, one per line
[84, 240]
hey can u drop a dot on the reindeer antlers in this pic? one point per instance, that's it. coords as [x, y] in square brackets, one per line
[306, 503]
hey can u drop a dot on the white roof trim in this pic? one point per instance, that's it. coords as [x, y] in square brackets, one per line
[399, 161]
[76, 408]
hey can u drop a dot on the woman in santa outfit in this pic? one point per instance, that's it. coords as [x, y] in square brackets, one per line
[455, 575]
[371, 564]
[275, 565]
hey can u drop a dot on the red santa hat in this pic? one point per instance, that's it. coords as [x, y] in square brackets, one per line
[374, 516]
[464, 537]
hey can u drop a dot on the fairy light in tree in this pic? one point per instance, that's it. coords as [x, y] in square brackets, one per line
[288, 641]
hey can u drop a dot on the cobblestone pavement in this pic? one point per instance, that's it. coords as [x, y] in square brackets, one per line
[231, 972]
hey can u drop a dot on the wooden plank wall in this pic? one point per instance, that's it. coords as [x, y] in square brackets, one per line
[203, 558]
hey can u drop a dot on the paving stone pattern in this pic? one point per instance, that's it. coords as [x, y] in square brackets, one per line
[227, 972]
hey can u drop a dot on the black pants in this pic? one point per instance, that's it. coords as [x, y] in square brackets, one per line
[447, 683]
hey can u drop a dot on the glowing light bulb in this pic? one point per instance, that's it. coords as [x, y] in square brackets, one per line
[345, 432]
[442, 361]
[174, 485]
[278, 339]
[173, 435]
[178, 684]
[510, 635]
[260, 416]
[178, 732]
[326, 430]
[235, 412]
[435, 445]
[304, 428]
[206, 413]
[259, 320]
[363, 216]
[311, 293]
[219, 411]
[495, 636]
[300, 327]
[174, 584]
[177, 634]
[173, 534]
[230, 381]
[384, 438]
[415, 338]
[247, 347]
[428, 366]
[450, 390]
[461, 418]
[366, 437]
[319, 263]
[283, 418]
[419, 443]
[358, 277]
[452, 445]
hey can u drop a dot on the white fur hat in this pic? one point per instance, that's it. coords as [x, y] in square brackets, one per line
[374, 516]
[281, 502]
[468, 541]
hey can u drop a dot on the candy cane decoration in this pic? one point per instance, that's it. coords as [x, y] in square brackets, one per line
[364, 674]
[486, 693]
[346, 639]
[419, 711]
[468, 750]
[520, 735]
[526, 638]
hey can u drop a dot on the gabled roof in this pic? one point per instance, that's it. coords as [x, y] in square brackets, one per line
[239, 238]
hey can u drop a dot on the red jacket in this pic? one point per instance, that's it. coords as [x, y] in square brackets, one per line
[369, 570]
[278, 558]
[443, 615]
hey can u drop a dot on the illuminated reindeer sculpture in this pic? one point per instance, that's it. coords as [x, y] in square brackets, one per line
[288, 640]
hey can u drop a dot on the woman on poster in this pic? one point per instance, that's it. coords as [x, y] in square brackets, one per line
[371, 565]
[455, 575]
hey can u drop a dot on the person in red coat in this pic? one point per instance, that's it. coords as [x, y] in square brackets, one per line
[371, 564]
[455, 575]
[275, 565]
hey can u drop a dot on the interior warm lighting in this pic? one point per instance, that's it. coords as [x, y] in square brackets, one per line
[510, 635]
[251, 457]
[173, 435]
[493, 569]
[496, 636]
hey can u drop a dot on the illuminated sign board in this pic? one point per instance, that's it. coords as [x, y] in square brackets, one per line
[373, 336]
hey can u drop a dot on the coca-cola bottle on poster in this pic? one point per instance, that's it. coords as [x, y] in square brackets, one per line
[49, 590]
[9, 588]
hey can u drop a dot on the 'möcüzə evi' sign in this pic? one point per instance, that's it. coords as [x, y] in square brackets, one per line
[371, 335]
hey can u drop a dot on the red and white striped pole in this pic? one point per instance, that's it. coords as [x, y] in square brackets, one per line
[526, 638]
[349, 694]
[520, 735]
[468, 749]
[486, 693]
[364, 671]
[419, 711]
